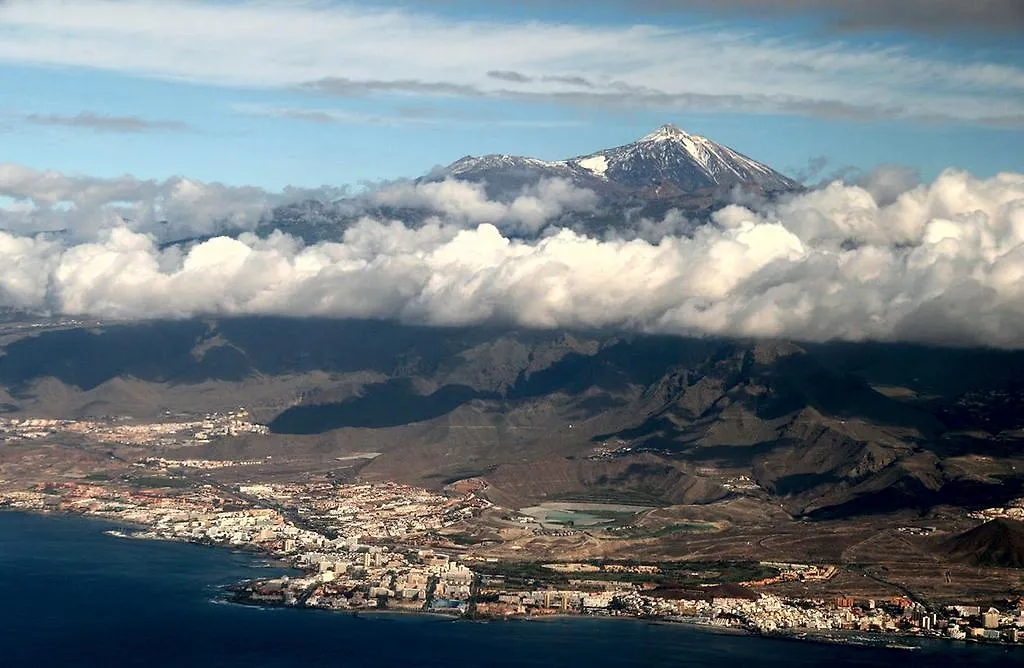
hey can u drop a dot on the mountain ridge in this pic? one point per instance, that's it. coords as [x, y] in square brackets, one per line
[665, 163]
[814, 429]
[667, 169]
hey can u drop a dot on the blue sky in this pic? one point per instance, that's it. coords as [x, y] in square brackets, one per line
[309, 93]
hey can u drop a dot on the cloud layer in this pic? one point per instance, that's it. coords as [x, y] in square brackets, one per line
[883, 260]
[106, 123]
[930, 16]
[352, 51]
[33, 201]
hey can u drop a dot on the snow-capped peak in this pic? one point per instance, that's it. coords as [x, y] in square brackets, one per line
[667, 162]
[667, 132]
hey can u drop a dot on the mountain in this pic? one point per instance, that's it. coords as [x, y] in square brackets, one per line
[665, 170]
[670, 162]
[998, 543]
[665, 164]
[819, 431]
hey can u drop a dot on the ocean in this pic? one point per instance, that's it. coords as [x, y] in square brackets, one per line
[72, 596]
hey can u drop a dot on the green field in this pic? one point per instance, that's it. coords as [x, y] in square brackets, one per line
[629, 497]
[584, 514]
[695, 526]
[673, 573]
[160, 481]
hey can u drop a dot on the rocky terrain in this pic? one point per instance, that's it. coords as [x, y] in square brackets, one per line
[821, 430]
[998, 543]
[703, 433]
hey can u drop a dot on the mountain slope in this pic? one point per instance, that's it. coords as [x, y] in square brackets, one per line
[664, 164]
[804, 426]
[670, 162]
[666, 170]
[997, 543]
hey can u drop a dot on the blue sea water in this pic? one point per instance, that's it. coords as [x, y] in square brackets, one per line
[72, 596]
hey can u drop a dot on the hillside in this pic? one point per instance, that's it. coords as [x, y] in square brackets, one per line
[821, 432]
[667, 169]
[997, 543]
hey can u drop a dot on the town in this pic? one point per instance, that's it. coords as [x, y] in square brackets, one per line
[187, 430]
[365, 547]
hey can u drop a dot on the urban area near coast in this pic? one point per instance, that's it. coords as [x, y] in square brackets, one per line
[375, 546]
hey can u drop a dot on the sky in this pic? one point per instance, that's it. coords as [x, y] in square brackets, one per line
[310, 93]
[145, 143]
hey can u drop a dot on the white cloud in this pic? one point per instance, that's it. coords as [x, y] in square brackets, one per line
[940, 262]
[173, 208]
[467, 202]
[407, 116]
[359, 51]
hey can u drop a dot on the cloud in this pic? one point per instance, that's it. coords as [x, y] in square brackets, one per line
[365, 51]
[401, 116]
[83, 206]
[618, 95]
[508, 75]
[928, 16]
[359, 88]
[104, 123]
[889, 259]
[467, 203]
[621, 96]
[569, 80]
[813, 169]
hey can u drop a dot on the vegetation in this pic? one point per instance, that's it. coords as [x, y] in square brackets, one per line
[623, 497]
[160, 481]
[695, 526]
[673, 573]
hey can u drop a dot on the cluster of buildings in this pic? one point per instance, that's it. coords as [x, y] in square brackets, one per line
[611, 450]
[1013, 510]
[743, 608]
[795, 572]
[162, 464]
[377, 511]
[30, 429]
[353, 548]
[346, 566]
[205, 429]
[742, 483]
[978, 623]
[352, 576]
[578, 567]
[201, 515]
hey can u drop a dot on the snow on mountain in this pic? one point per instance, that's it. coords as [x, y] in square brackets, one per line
[471, 164]
[671, 157]
[668, 170]
[597, 164]
[665, 163]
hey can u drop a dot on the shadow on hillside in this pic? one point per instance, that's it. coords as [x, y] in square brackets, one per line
[388, 404]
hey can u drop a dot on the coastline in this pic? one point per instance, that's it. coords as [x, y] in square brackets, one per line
[229, 593]
[136, 586]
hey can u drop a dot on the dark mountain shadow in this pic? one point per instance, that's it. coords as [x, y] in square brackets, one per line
[925, 369]
[734, 455]
[389, 404]
[194, 351]
[86, 358]
[801, 482]
[910, 494]
[295, 345]
[639, 361]
[799, 381]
